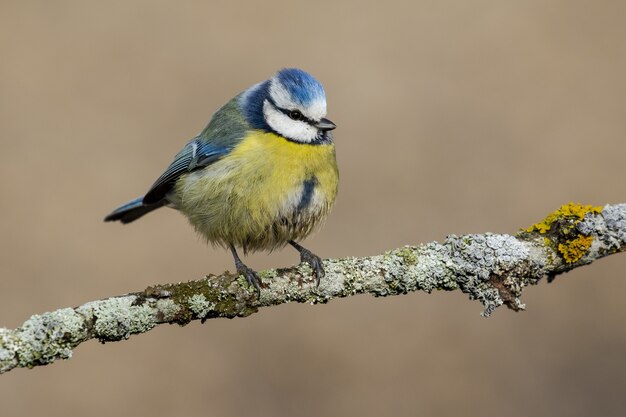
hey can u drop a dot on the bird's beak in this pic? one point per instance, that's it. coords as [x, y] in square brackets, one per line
[325, 125]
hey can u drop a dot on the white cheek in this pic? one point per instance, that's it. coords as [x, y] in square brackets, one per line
[292, 129]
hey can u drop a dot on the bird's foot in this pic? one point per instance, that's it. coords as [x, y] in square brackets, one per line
[250, 275]
[314, 261]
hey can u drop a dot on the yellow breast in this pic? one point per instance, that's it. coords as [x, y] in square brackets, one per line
[266, 192]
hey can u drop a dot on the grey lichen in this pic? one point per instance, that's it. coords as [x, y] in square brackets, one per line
[433, 271]
[467, 262]
[9, 348]
[167, 310]
[200, 306]
[491, 268]
[117, 318]
[610, 227]
[42, 339]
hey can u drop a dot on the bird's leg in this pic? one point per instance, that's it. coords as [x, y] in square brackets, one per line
[312, 259]
[249, 274]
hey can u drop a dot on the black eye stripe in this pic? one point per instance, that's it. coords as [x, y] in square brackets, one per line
[286, 112]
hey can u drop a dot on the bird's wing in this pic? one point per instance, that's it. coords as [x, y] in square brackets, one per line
[226, 128]
[196, 154]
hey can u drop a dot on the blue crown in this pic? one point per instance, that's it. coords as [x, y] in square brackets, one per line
[302, 87]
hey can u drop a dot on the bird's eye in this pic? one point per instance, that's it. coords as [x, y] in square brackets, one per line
[295, 115]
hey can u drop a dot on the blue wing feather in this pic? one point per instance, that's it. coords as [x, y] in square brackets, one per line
[194, 155]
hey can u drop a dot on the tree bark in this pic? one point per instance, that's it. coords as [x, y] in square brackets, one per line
[491, 268]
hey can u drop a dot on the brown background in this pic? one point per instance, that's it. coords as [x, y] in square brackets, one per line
[454, 117]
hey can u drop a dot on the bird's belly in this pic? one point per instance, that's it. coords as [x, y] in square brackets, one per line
[266, 192]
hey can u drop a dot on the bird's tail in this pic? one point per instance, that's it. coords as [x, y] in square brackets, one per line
[133, 210]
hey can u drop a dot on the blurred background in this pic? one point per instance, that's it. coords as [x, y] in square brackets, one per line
[454, 117]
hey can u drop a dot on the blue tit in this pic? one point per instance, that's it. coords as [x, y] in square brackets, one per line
[261, 175]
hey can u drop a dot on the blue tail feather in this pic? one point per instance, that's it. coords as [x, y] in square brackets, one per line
[133, 210]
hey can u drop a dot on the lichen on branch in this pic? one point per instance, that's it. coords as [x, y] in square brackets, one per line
[491, 268]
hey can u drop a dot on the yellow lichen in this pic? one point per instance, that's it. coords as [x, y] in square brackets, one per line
[407, 254]
[573, 211]
[561, 231]
[573, 250]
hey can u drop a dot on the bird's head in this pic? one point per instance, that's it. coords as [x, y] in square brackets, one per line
[292, 104]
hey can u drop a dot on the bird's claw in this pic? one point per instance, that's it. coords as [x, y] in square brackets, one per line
[251, 276]
[315, 262]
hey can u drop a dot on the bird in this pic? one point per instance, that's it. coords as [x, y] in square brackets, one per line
[261, 175]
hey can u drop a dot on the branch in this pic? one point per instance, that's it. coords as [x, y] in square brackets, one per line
[491, 268]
